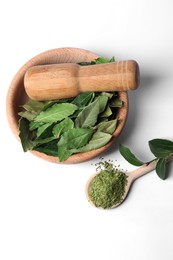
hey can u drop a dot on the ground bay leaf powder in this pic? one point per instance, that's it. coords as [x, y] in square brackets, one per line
[108, 186]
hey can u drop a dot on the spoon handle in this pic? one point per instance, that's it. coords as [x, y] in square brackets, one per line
[144, 169]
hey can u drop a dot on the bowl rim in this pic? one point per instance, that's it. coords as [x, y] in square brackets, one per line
[57, 55]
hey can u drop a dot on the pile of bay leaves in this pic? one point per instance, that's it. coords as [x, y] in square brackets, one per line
[64, 127]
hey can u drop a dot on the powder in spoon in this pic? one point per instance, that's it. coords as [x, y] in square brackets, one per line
[108, 186]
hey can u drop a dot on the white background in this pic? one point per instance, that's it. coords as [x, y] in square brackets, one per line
[43, 210]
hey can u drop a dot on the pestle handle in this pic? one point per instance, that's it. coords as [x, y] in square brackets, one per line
[57, 81]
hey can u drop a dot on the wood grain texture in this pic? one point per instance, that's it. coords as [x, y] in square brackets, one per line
[17, 96]
[57, 81]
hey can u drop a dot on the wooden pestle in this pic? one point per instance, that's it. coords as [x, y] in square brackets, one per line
[58, 81]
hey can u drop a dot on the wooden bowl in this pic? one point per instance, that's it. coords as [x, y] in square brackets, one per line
[16, 96]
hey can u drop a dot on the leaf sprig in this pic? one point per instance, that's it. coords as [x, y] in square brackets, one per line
[162, 150]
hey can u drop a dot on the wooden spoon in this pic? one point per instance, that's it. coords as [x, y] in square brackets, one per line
[57, 81]
[132, 176]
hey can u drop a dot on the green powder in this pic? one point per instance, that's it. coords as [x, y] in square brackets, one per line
[108, 186]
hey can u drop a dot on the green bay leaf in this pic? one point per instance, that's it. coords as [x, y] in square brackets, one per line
[129, 156]
[49, 148]
[42, 129]
[108, 94]
[33, 106]
[27, 114]
[83, 99]
[88, 116]
[107, 127]
[116, 102]
[161, 148]
[75, 137]
[38, 106]
[38, 142]
[62, 127]
[34, 125]
[107, 112]
[25, 134]
[64, 153]
[56, 113]
[101, 60]
[98, 140]
[161, 168]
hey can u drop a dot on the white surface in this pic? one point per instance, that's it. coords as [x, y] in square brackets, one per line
[43, 210]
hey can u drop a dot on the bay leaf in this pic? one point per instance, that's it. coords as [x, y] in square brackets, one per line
[116, 102]
[98, 140]
[42, 129]
[56, 113]
[161, 168]
[108, 94]
[107, 112]
[75, 137]
[38, 106]
[27, 114]
[107, 127]
[129, 156]
[34, 125]
[25, 135]
[76, 113]
[38, 142]
[49, 148]
[161, 148]
[88, 116]
[101, 60]
[83, 99]
[63, 153]
[34, 106]
[102, 100]
[62, 127]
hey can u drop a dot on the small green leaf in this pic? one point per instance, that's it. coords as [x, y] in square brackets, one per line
[25, 134]
[42, 129]
[161, 148]
[161, 168]
[56, 113]
[63, 153]
[38, 142]
[49, 148]
[107, 112]
[88, 116]
[34, 125]
[34, 106]
[62, 127]
[129, 156]
[101, 60]
[75, 138]
[115, 102]
[98, 140]
[83, 99]
[107, 127]
[108, 94]
[26, 114]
